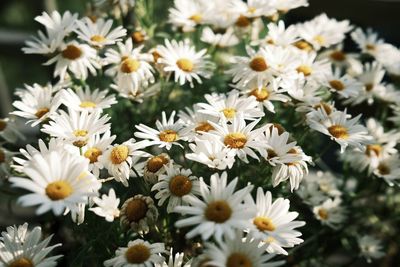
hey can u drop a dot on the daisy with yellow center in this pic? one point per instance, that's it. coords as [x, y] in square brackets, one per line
[99, 33]
[67, 182]
[138, 253]
[340, 127]
[187, 16]
[182, 59]
[154, 167]
[82, 99]
[311, 68]
[346, 86]
[174, 185]
[168, 132]
[274, 224]
[219, 207]
[389, 169]
[119, 159]
[21, 247]
[330, 213]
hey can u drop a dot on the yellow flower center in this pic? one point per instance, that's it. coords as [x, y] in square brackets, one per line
[369, 87]
[21, 262]
[306, 70]
[80, 133]
[303, 45]
[325, 106]
[258, 64]
[338, 55]
[196, 18]
[218, 211]
[323, 214]
[97, 38]
[204, 127]
[2, 156]
[137, 254]
[92, 154]
[260, 94]
[229, 113]
[58, 190]
[319, 39]
[87, 104]
[180, 185]
[129, 65]
[136, 210]
[373, 149]
[156, 56]
[156, 163]
[242, 21]
[264, 224]
[370, 47]
[338, 131]
[41, 112]
[168, 136]
[185, 64]
[383, 169]
[238, 259]
[138, 37]
[337, 85]
[72, 52]
[119, 154]
[271, 153]
[3, 125]
[235, 140]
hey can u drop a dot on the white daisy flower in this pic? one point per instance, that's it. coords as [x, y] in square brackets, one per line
[154, 167]
[370, 248]
[85, 99]
[107, 206]
[174, 185]
[182, 59]
[230, 106]
[340, 127]
[43, 44]
[99, 33]
[219, 212]
[330, 213]
[54, 22]
[187, 15]
[240, 137]
[286, 5]
[274, 224]
[22, 247]
[175, 260]
[138, 253]
[77, 127]
[346, 86]
[227, 38]
[341, 59]
[130, 68]
[79, 59]
[96, 147]
[312, 69]
[119, 159]
[142, 93]
[210, 151]
[168, 132]
[37, 103]
[251, 8]
[239, 250]
[58, 182]
[279, 35]
[369, 42]
[389, 169]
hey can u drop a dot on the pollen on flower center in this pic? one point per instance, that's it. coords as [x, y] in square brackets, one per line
[369, 87]
[196, 18]
[238, 259]
[41, 112]
[180, 185]
[129, 65]
[376, 149]
[136, 210]
[258, 64]
[324, 106]
[92, 154]
[370, 47]
[303, 45]
[319, 39]
[58, 190]
[87, 104]
[337, 85]
[383, 169]
[260, 94]
[264, 224]
[97, 38]
[235, 140]
[338, 55]
[229, 113]
[338, 131]
[185, 64]
[80, 133]
[119, 154]
[168, 136]
[3, 125]
[242, 21]
[21, 262]
[155, 163]
[137, 254]
[323, 214]
[306, 70]
[138, 37]
[218, 211]
[204, 127]
[72, 52]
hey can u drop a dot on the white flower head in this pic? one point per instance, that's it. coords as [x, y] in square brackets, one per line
[107, 206]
